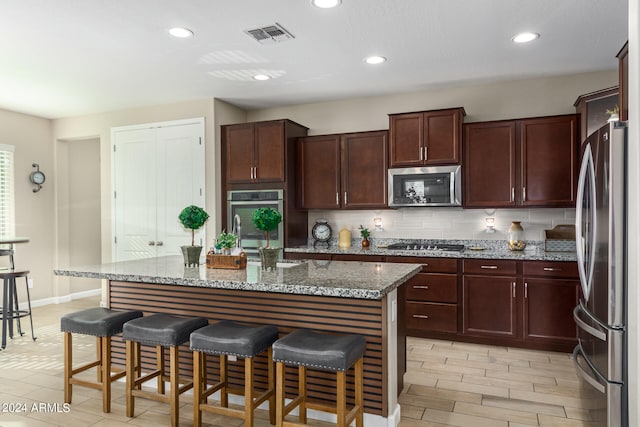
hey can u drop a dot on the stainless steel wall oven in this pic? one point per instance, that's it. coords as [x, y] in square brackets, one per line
[243, 203]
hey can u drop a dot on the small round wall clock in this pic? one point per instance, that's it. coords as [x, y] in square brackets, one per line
[37, 177]
[321, 232]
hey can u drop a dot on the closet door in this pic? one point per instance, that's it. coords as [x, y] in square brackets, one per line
[157, 171]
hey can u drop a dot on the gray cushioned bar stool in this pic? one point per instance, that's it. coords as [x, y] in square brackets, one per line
[310, 349]
[103, 323]
[159, 330]
[227, 338]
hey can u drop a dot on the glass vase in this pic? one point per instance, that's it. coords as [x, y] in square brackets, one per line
[515, 237]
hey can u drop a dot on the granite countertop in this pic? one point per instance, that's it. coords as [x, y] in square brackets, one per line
[491, 249]
[343, 279]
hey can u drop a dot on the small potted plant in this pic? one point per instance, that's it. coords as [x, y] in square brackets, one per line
[192, 217]
[267, 220]
[364, 233]
[226, 241]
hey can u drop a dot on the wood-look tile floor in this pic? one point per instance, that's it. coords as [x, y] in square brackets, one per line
[447, 384]
[459, 384]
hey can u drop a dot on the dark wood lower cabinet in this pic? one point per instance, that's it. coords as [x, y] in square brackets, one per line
[548, 309]
[525, 304]
[489, 306]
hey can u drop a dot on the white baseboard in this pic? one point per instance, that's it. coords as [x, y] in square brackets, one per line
[65, 298]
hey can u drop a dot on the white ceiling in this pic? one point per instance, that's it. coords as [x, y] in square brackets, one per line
[73, 57]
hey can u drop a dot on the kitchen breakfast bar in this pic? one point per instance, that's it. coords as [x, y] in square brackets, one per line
[331, 296]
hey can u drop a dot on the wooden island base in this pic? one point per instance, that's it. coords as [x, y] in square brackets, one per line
[288, 312]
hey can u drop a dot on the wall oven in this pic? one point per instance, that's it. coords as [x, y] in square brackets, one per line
[243, 203]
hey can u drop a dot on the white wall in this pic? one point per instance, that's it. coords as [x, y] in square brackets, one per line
[35, 215]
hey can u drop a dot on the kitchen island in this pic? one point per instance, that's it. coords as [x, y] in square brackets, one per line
[335, 296]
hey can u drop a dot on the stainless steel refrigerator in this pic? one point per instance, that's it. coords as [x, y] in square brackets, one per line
[600, 357]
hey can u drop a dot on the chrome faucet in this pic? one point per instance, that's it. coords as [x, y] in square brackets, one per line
[236, 229]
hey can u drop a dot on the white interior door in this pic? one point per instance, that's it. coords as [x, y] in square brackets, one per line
[158, 170]
[180, 180]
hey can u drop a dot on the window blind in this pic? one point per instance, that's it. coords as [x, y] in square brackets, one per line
[7, 197]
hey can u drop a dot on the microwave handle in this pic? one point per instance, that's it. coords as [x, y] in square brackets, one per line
[452, 188]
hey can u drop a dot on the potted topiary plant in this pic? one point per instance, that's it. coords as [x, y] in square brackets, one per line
[267, 220]
[192, 217]
[364, 233]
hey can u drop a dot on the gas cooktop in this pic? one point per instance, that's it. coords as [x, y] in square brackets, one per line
[425, 246]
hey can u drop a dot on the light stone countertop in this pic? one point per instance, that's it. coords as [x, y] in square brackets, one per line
[343, 279]
[491, 250]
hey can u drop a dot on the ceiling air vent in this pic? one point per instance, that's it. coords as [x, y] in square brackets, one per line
[270, 34]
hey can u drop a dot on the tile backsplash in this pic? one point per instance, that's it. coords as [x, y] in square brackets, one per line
[445, 223]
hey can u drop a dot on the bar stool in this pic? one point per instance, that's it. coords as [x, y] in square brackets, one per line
[10, 308]
[310, 349]
[227, 338]
[159, 330]
[102, 323]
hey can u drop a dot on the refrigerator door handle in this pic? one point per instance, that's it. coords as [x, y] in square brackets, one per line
[601, 335]
[587, 172]
[587, 373]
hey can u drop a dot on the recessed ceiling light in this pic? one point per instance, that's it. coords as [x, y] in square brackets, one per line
[375, 59]
[181, 32]
[326, 4]
[261, 77]
[525, 37]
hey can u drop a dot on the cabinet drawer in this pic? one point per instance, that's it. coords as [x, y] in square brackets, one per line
[488, 266]
[433, 288]
[550, 269]
[432, 316]
[429, 265]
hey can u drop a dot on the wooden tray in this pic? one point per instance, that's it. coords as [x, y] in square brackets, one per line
[234, 262]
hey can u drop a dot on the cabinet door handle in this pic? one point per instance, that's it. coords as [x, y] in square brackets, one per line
[345, 197]
[420, 316]
[513, 193]
[526, 285]
[152, 243]
[551, 269]
[337, 199]
[513, 286]
[426, 157]
[159, 243]
[255, 172]
[489, 267]
[524, 194]
[421, 287]
[420, 153]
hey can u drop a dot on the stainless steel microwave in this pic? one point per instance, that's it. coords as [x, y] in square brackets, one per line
[427, 186]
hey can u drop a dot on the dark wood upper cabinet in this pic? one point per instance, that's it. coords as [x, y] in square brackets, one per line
[343, 171]
[364, 169]
[256, 152]
[592, 108]
[528, 162]
[489, 164]
[623, 71]
[426, 138]
[319, 172]
[239, 142]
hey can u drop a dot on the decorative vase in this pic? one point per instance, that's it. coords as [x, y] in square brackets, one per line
[365, 243]
[191, 255]
[269, 258]
[515, 237]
